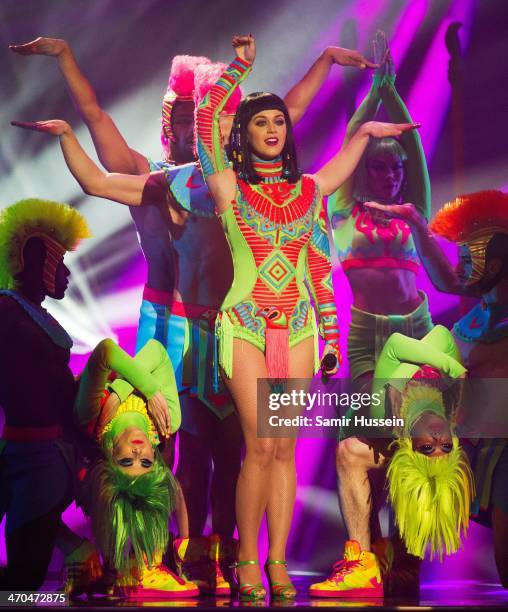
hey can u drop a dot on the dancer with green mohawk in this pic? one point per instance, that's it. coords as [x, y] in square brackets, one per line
[36, 464]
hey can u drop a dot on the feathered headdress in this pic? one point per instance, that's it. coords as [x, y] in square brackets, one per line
[472, 220]
[205, 77]
[58, 225]
[180, 89]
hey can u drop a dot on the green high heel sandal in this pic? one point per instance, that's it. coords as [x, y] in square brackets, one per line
[248, 590]
[279, 590]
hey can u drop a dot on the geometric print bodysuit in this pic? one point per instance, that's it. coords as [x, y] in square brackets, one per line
[279, 243]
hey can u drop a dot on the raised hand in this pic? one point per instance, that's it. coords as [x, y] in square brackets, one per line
[245, 47]
[54, 127]
[347, 57]
[380, 48]
[41, 46]
[158, 409]
[386, 130]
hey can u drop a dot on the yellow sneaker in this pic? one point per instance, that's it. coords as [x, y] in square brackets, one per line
[357, 575]
[220, 586]
[157, 582]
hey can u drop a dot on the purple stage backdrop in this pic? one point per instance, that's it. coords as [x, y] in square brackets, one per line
[125, 49]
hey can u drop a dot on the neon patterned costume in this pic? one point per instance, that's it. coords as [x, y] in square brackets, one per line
[197, 255]
[365, 239]
[277, 234]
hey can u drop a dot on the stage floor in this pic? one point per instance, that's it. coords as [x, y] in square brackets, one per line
[433, 596]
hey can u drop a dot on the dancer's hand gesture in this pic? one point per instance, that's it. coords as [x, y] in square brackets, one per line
[54, 127]
[245, 47]
[41, 46]
[348, 57]
[407, 212]
[385, 130]
[158, 409]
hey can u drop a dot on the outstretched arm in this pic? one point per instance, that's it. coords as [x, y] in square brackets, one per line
[112, 150]
[341, 202]
[215, 165]
[133, 190]
[301, 95]
[333, 174]
[436, 263]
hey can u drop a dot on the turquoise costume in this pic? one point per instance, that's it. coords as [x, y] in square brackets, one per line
[186, 329]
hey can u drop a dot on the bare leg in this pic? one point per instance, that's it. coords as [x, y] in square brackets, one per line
[251, 491]
[283, 481]
[227, 442]
[353, 460]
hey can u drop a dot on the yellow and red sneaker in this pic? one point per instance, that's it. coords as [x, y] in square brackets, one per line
[155, 583]
[357, 575]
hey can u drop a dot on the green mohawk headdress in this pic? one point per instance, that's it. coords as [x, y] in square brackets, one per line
[58, 225]
[430, 497]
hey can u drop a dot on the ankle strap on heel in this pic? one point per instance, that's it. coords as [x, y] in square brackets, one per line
[276, 562]
[242, 563]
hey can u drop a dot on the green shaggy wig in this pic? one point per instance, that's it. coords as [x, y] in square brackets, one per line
[430, 497]
[33, 217]
[130, 515]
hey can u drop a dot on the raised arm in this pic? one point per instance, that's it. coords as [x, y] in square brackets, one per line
[341, 202]
[319, 279]
[112, 150]
[133, 190]
[416, 171]
[301, 95]
[216, 167]
[333, 174]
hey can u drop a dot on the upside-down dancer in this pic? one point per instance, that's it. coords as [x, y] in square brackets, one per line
[429, 478]
[478, 224]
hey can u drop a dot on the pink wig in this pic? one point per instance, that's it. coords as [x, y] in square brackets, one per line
[205, 77]
[180, 89]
